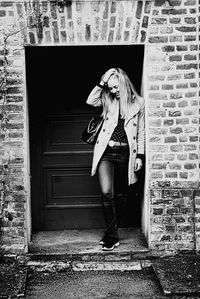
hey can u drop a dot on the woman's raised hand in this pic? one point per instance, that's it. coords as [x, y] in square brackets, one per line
[107, 75]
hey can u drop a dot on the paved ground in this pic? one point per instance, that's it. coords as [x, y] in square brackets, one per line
[94, 284]
[97, 284]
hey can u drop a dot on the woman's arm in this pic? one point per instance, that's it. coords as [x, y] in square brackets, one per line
[94, 97]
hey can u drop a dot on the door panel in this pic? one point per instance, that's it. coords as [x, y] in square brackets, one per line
[70, 194]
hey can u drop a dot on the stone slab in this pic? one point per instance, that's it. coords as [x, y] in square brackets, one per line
[178, 274]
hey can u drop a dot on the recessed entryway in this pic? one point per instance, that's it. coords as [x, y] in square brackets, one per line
[59, 80]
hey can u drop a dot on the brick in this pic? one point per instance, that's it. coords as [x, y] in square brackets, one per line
[113, 7]
[193, 138]
[194, 103]
[190, 166]
[63, 35]
[193, 85]
[158, 39]
[155, 123]
[166, 238]
[181, 85]
[154, 87]
[165, 30]
[155, 139]
[190, 38]
[190, 147]
[167, 86]
[159, 166]
[170, 139]
[32, 38]
[158, 96]
[190, 94]
[185, 228]
[168, 48]
[53, 11]
[174, 166]
[183, 175]
[87, 32]
[183, 104]
[55, 32]
[69, 9]
[190, 57]
[177, 130]
[190, 112]
[169, 105]
[193, 156]
[187, 66]
[169, 157]
[104, 30]
[171, 175]
[181, 48]
[193, 48]
[159, 113]
[176, 95]
[147, 7]
[183, 138]
[168, 122]
[174, 11]
[2, 13]
[156, 175]
[175, 58]
[158, 131]
[190, 20]
[172, 211]
[186, 29]
[174, 77]
[190, 2]
[174, 20]
[156, 78]
[112, 21]
[139, 9]
[176, 148]
[127, 35]
[189, 76]
[174, 113]
[176, 38]
[145, 21]
[157, 211]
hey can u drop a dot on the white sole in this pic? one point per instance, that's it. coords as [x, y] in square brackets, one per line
[109, 249]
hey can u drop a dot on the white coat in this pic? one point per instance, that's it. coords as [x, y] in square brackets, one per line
[133, 125]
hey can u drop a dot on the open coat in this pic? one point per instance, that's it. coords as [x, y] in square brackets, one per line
[133, 125]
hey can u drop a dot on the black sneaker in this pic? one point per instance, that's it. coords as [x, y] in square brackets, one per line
[110, 244]
[103, 240]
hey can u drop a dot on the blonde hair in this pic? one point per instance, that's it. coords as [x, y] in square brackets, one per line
[127, 93]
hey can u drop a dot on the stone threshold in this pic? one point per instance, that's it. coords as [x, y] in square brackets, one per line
[84, 245]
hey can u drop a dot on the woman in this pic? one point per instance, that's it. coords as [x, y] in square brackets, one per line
[119, 149]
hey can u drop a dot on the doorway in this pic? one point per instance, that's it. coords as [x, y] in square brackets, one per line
[59, 79]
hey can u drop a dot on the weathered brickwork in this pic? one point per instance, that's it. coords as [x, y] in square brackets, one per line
[170, 32]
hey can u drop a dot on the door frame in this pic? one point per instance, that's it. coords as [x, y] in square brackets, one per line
[145, 215]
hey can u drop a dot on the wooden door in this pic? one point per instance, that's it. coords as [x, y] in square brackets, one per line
[64, 195]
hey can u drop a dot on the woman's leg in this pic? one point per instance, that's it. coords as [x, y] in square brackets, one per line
[121, 182]
[106, 181]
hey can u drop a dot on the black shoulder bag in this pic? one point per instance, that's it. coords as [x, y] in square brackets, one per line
[91, 131]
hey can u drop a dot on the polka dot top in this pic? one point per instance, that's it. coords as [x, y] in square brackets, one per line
[119, 133]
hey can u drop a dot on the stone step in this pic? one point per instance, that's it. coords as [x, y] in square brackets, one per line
[96, 256]
[60, 266]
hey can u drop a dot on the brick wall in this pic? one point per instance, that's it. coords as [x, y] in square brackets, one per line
[173, 117]
[169, 30]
